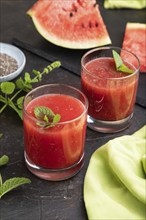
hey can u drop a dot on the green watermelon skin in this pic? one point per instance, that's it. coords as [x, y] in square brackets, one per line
[135, 42]
[75, 24]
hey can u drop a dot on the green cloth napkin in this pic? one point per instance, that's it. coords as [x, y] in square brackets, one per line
[115, 182]
[135, 4]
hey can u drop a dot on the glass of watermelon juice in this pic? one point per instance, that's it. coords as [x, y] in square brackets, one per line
[111, 93]
[55, 151]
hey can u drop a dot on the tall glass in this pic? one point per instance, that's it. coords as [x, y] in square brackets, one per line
[55, 152]
[111, 93]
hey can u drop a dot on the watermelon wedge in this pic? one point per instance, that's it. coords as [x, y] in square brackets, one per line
[75, 24]
[135, 41]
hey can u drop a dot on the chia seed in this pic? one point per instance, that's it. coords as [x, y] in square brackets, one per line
[8, 64]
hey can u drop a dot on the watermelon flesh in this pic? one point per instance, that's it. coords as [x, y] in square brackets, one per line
[135, 42]
[75, 24]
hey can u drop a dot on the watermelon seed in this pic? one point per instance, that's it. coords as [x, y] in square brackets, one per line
[82, 25]
[71, 14]
[74, 7]
[96, 24]
[90, 24]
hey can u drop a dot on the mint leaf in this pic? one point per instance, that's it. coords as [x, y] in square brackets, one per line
[120, 66]
[20, 83]
[36, 72]
[125, 69]
[41, 111]
[24, 85]
[47, 115]
[12, 183]
[4, 160]
[1, 181]
[117, 58]
[7, 87]
[56, 118]
[34, 80]
[20, 102]
[46, 119]
[53, 65]
[27, 77]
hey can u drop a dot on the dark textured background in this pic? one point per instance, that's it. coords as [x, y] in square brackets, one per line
[44, 200]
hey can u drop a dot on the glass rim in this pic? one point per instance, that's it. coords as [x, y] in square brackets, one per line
[56, 85]
[107, 48]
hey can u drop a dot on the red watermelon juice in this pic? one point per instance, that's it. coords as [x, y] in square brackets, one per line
[60, 146]
[111, 93]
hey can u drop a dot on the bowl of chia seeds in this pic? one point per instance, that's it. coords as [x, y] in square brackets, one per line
[12, 62]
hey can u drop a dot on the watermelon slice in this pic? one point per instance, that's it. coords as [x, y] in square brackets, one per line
[75, 24]
[135, 41]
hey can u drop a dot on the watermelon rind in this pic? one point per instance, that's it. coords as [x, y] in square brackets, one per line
[136, 25]
[71, 44]
[132, 4]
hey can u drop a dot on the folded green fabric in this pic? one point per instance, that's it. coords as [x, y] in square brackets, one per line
[134, 4]
[115, 182]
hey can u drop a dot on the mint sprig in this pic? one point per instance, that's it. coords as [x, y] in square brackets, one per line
[11, 90]
[11, 183]
[47, 116]
[120, 66]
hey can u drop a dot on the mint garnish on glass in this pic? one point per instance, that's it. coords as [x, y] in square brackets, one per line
[120, 66]
[46, 115]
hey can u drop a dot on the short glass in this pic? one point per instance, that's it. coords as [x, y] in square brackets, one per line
[57, 152]
[111, 94]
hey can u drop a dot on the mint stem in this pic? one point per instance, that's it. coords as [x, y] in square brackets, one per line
[3, 108]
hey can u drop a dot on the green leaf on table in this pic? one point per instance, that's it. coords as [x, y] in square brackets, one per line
[34, 80]
[120, 66]
[38, 74]
[4, 160]
[20, 102]
[25, 84]
[27, 78]
[12, 183]
[1, 181]
[20, 83]
[1, 134]
[55, 64]
[47, 115]
[7, 87]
